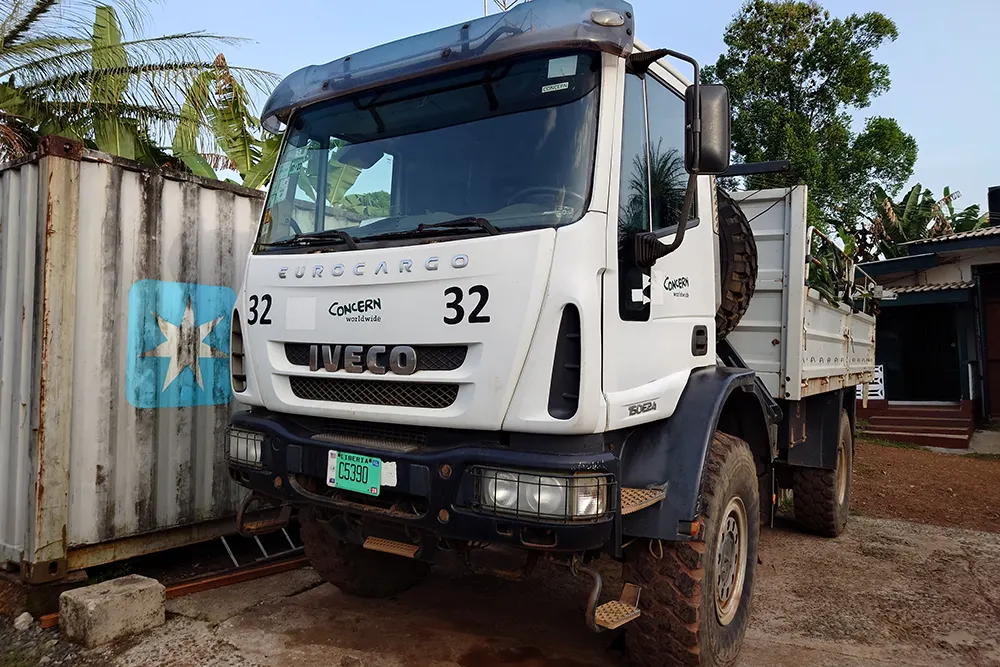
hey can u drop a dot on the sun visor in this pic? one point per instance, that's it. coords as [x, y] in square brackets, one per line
[531, 26]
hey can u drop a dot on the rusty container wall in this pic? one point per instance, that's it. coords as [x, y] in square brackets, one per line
[18, 232]
[129, 373]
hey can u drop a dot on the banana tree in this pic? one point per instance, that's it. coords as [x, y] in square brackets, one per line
[67, 68]
[216, 100]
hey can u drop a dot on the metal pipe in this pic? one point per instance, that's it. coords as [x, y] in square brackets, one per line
[595, 595]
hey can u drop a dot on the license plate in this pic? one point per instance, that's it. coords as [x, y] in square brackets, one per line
[353, 472]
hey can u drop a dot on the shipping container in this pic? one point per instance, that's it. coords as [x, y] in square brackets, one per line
[116, 286]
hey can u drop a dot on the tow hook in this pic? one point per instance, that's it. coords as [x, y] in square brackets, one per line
[261, 525]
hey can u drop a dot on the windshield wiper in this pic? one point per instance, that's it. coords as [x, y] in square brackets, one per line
[316, 238]
[421, 229]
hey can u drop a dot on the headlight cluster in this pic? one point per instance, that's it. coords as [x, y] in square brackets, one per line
[542, 496]
[244, 447]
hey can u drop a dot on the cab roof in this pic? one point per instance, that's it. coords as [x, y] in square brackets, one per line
[540, 25]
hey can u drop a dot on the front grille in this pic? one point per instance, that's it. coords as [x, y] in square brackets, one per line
[429, 357]
[390, 437]
[373, 392]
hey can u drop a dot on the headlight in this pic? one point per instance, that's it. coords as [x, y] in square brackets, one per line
[500, 489]
[543, 495]
[244, 447]
[532, 495]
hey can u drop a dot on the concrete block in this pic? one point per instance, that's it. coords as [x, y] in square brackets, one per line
[99, 614]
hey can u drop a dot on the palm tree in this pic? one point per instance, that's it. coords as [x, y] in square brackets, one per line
[669, 181]
[66, 68]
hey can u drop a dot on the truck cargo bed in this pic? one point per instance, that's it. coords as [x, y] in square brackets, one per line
[799, 342]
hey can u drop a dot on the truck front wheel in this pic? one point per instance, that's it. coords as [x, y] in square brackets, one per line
[353, 569]
[821, 499]
[695, 597]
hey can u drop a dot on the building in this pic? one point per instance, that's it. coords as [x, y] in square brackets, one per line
[938, 340]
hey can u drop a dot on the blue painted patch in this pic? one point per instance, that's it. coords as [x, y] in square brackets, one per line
[178, 344]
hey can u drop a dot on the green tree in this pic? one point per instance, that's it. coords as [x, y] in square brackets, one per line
[794, 74]
[68, 67]
[918, 215]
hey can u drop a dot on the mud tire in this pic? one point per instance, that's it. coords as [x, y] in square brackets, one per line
[816, 500]
[737, 265]
[679, 624]
[353, 569]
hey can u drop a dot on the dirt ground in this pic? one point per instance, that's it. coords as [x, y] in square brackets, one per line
[926, 487]
[885, 593]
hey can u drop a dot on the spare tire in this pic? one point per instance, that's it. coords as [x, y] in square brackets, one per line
[737, 265]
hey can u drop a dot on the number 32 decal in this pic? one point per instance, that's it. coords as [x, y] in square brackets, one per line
[262, 301]
[458, 311]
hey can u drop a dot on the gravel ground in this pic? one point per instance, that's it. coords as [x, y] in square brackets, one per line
[34, 646]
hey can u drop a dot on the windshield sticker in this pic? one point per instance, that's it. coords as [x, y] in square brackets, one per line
[560, 67]
[554, 87]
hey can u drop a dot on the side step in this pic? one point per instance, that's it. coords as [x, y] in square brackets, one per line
[634, 500]
[261, 525]
[390, 547]
[612, 615]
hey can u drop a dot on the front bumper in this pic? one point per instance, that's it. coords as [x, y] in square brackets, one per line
[434, 499]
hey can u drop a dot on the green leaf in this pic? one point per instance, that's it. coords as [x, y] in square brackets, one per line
[260, 173]
[231, 117]
[341, 178]
[108, 57]
[118, 137]
[194, 114]
[198, 165]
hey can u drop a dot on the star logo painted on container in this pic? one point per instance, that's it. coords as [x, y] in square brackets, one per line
[178, 347]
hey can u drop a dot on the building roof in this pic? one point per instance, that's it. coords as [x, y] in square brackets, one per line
[934, 287]
[975, 233]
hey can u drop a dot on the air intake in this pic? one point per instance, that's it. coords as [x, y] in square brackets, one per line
[237, 364]
[564, 390]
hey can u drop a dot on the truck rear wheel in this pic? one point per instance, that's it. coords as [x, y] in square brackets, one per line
[821, 499]
[695, 597]
[737, 264]
[353, 569]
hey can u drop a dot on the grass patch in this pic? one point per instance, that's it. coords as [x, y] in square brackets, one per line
[983, 457]
[891, 443]
[17, 656]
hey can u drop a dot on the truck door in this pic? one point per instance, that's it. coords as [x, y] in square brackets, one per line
[659, 321]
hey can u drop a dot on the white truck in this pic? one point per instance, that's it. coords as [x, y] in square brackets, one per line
[498, 307]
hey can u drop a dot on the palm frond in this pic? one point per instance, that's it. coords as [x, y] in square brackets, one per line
[24, 24]
[66, 16]
[177, 46]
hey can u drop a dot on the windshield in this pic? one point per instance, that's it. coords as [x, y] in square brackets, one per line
[510, 144]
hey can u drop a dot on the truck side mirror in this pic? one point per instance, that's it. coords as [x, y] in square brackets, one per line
[707, 151]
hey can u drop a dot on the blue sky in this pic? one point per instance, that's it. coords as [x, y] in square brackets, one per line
[945, 65]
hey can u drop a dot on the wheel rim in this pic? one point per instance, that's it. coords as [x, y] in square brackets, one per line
[841, 474]
[730, 561]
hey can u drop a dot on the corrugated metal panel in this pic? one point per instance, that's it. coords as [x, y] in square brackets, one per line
[975, 233]
[18, 230]
[937, 287]
[138, 280]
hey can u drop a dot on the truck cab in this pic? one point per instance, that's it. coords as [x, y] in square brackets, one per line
[487, 308]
